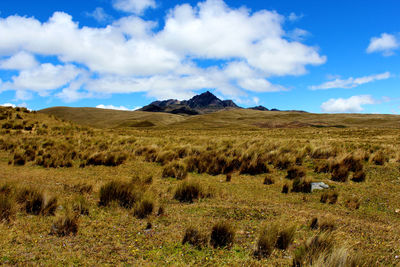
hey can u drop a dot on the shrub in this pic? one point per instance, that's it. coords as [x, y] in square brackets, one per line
[65, 225]
[301, 185]
[285, 189]
[194, 237]
[329, 197]
[188, 191]
[124, 193]
[340, 174]
[7, 210]
[285, 237]
[312, 249]
[175, 170]
[143, 209]
[222, 235]
[295, 172]
[379, 158]
[266, 241]
[268, 180]
[358, 177]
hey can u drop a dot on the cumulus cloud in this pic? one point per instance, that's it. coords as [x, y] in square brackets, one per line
[99, 15]
[344, 105]
[351, 82]
[8, 105]
[20, 61]
[134, 55]
[386, 44]
[116, 108]
[134, 6]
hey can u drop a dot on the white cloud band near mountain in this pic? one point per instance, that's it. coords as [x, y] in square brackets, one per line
[345, 105]
[132, 54]
[116, 108]
[351, 82]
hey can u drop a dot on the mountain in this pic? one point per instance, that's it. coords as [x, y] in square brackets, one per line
[261, 108]
[199, 104]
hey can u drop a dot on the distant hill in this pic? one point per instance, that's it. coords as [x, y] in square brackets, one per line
[199, 104]
[229, 119]
[107, 118]
[261, 108]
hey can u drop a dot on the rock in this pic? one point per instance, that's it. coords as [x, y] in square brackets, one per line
[319, 186]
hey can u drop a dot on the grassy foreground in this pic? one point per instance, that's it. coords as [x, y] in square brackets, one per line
[82, 196]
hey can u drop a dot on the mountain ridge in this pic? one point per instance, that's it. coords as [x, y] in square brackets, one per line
[199, 104]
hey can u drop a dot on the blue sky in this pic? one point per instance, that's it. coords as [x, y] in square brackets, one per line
[318, 56]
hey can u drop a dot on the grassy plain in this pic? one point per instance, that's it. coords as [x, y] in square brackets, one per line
[61, 157]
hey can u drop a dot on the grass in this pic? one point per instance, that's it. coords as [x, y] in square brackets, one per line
[111, 234]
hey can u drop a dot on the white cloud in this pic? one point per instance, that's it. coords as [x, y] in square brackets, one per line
[8, 105]
[351, 82]
[294, 17]
[19, 61]
[116, 108]
[386, 44]
[133, 55]
[43, 78]
[134, 6]
[99, 15]
[352, 104]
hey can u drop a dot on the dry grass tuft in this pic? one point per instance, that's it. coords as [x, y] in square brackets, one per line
[266, 241]
[268, 180]
[7, 209]
[175, 170]
[353, 203]
[302, 185]
[295, 172]
[189, 191]
[124, 193]
[65, 225]
[379, 158]
[330, 197]
[313, 249]
[359, 177]
[194, 237]
[222, 235]
[143, 209]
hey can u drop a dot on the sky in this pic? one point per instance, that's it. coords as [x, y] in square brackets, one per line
[330, 56]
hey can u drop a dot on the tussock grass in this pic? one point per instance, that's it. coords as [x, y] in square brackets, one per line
[187, 191]
[175, 170]
[125, 194]
[65, 225]
[143, 209]
[295, 172]
[302, 185]
[194, 237]
[7, 208]
[222, 235]
[329, 197]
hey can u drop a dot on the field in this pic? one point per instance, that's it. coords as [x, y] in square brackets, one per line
[128, 193]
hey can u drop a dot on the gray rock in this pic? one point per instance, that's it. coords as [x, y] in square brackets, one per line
[319, 186]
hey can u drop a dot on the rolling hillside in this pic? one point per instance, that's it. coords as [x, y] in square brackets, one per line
[103, 118]
[106, 118]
